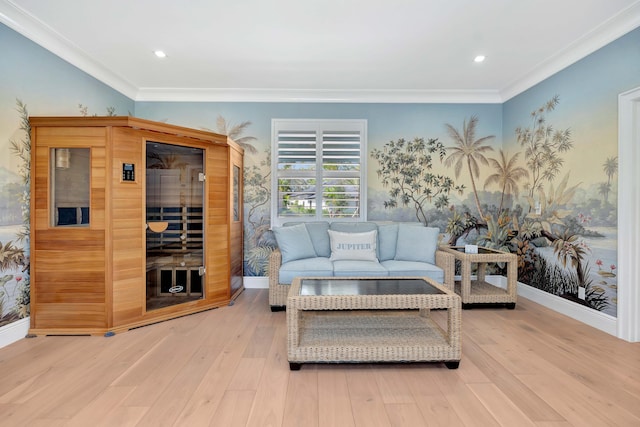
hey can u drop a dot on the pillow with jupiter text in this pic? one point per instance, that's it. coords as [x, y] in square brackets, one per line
[353, 246]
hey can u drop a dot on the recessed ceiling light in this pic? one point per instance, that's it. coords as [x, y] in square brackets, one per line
[160, 54]
[479, 58]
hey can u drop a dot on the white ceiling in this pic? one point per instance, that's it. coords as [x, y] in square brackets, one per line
[321, 50]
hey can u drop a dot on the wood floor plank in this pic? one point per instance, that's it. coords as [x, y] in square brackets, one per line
[247, 374]
[123, 416]
[463, 401]
[234, 409]
[268, 408]
[301, 405]
[525, 399]
[577, 403]
[100, 407]
[404, 414]
[500, 405]
[233, 339]
[334, 404]
[434, 406]
[393, 389]
[574, 361]
[366, 400]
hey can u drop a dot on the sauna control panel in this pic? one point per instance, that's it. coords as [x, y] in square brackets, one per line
[128, 172]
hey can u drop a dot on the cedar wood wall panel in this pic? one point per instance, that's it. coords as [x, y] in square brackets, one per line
[217, 230]
[128, 235]
[67, 259]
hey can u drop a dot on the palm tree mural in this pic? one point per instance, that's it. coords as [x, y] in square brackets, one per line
[543, 145]
[603, 190]
[506, 176]
[469, 150]
[13, 257]
[610, 167]
[235, 132]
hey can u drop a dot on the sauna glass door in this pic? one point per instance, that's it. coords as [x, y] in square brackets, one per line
[175, 226]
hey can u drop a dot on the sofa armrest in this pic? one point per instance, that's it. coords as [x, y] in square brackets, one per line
[277, 292]
[447, 262]
[275, 261]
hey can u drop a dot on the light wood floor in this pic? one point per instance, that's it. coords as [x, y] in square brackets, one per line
[228, 367]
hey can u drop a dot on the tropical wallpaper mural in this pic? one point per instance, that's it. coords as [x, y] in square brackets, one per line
[522, 201]
[536, 175]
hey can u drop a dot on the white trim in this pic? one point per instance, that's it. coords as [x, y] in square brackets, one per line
[612, 29]
[14, 331]
[256, 282]
[628, 215]
[589, 316]
[319, 95]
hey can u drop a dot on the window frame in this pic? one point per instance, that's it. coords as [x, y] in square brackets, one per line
[318, 126]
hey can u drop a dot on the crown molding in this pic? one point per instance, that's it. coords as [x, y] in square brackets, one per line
[37, 31]
[319, 95]
[610, 30]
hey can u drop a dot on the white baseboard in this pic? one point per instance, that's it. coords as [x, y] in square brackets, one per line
[14, 331]
[589, 316]
[256, 282]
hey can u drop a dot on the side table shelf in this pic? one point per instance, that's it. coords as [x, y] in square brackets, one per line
[479, 291]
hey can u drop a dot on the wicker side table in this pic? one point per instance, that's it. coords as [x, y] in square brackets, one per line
[349, 323]
[479, 291]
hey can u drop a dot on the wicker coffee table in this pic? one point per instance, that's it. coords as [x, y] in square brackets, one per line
[333, 320]
[479, 291]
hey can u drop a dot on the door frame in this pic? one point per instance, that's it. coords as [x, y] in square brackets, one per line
[628, 321]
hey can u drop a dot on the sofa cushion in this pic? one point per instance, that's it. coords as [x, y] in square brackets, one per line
[319, 237]
[352, 268]
[417, 243]
[353, 246]
[413, 269]
[353, 227]
[310, 267]
[294, 242]
[387, 240]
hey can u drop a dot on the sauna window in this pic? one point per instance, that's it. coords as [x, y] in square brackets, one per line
[70, 184]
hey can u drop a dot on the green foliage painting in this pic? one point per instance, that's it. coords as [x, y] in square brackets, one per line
[405, 168]
[14, 262]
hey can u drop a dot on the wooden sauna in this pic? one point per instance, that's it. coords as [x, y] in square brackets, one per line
[132, 222]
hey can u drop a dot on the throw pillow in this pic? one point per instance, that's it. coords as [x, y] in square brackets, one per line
[353, 246]
[416, 243]
[319, 237]
[294, 242]
[388, 240]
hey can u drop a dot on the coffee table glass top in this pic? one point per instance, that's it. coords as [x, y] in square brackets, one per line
[332, 287]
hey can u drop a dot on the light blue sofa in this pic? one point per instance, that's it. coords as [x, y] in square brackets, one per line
[355, 249]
